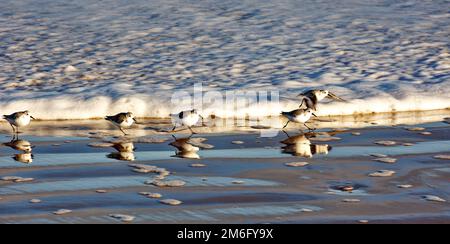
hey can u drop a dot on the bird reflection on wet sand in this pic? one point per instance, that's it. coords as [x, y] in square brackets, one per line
[26, 158]
[19, 145]
[188, 147]
[184, 148]
[125, 151]
[300, 146]
[23, 146]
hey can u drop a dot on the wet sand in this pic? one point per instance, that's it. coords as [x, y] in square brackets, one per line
[231, 176]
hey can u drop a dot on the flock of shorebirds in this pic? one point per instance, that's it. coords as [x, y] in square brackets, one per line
[189, 118]
[310, 99]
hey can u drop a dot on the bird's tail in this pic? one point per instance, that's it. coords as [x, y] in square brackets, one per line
[108, 118]
[5, 116]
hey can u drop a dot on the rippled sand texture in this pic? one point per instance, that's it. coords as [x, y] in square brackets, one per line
[62, 58]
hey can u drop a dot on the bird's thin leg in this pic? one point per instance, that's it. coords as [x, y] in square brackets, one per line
[193, 132]
[174, 128]
[14, 129]
[307, 126]
[286, 133]
[123, 131]
[286, 124]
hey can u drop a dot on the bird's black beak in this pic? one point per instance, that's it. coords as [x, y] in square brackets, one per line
[135, 121]
[32, 118]
[314, 115]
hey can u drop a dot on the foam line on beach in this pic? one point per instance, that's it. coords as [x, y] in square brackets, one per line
[68, 109]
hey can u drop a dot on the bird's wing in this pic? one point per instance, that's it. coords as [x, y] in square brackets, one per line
[11, 116]
[334, 97]
[121, 118]
[298, 112]
[286, 113]
[311, 103]
[18, 114]
[179, 115]
[293, 112]
[307, 93]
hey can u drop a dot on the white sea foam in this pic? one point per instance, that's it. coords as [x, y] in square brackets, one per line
[86, 59]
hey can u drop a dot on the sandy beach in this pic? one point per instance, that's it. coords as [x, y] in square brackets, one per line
[230, 175]
[361, 87]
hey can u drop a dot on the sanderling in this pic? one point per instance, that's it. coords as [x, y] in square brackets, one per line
[18, 119]
[312, 97]
[122, 120]
[298, 116]
[187, 118]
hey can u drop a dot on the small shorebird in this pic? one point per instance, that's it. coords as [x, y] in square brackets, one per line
[18, 119]
[298, 116]
[187, 118]
[312, 97]
[122, 120]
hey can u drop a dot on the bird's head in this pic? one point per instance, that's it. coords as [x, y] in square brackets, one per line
[130, 115]
[310, 112]
[27, 113]
[321, 94]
